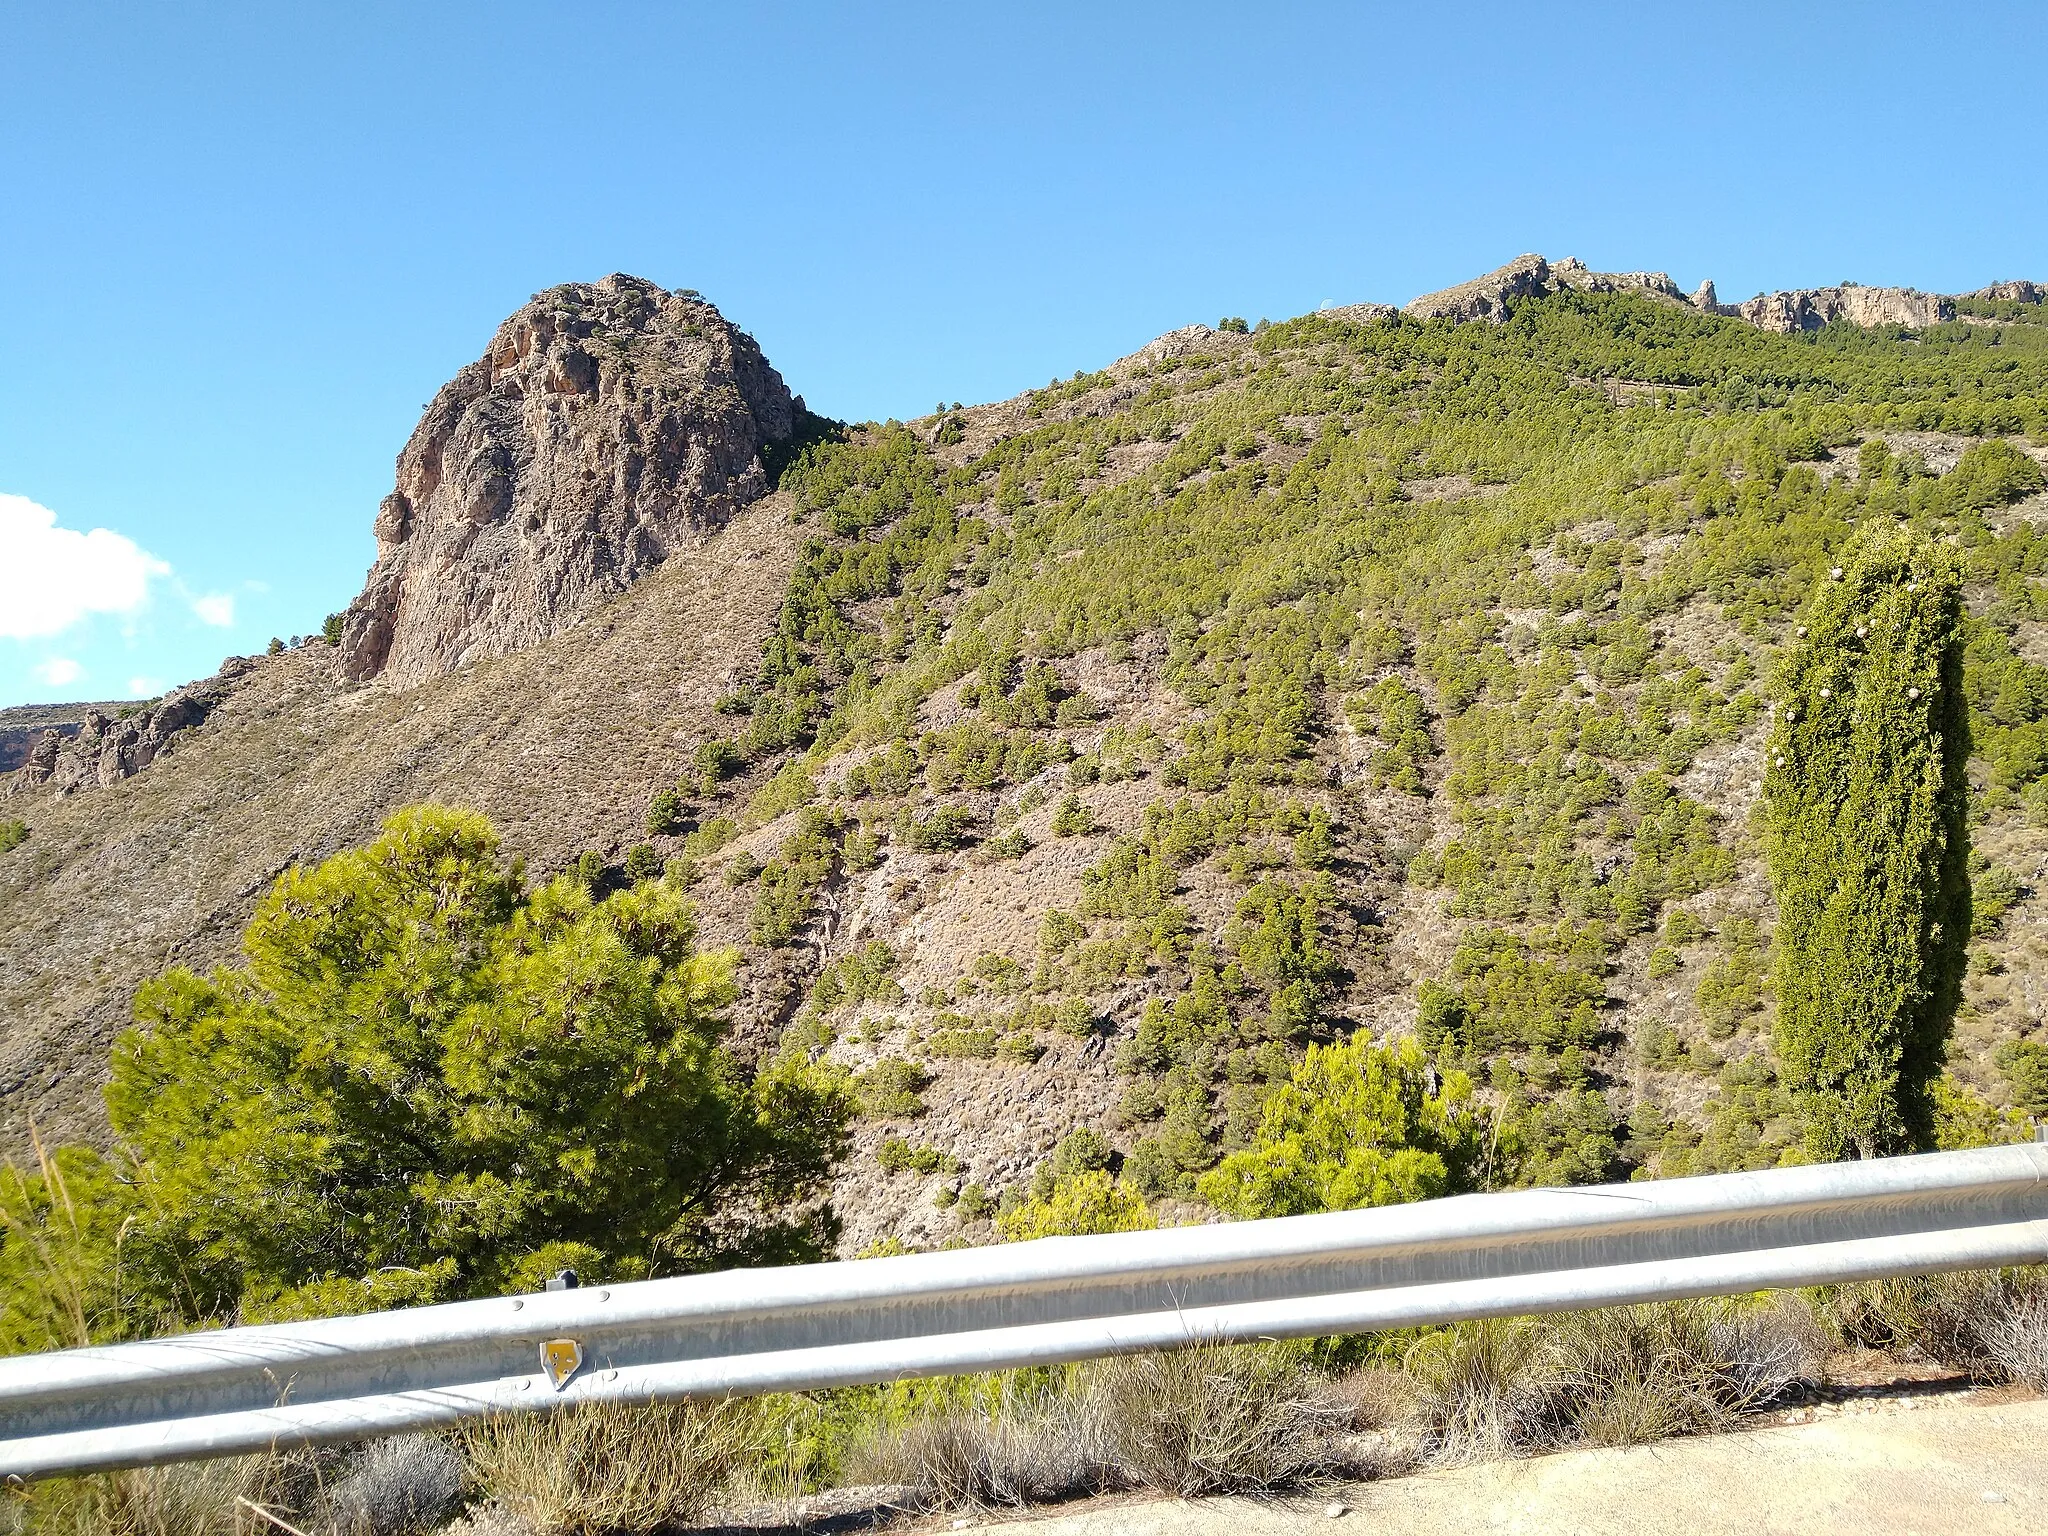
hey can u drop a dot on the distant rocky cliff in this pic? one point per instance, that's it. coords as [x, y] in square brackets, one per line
[607, 425]
[23, 725]
[1802, 309]
[1808, 309]
[105, 743]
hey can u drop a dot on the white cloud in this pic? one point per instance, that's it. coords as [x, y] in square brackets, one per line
[52, 577]
[216, 608]
[59, 671]
[145, 687]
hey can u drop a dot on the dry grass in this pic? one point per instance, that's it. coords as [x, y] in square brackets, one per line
[1204, 1420]
[1483, 1390]
[2018, 1339]
[597, 1468]
[966, 1458]
[198, 1498]
[1631, 1375]
[1969, 1321]
[1619, 1376]
[1218, 1419]
[405, 1486]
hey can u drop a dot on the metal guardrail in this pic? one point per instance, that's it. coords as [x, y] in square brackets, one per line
[1058, 1299]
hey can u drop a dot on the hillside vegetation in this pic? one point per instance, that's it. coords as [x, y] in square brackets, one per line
[1297, 767]
[1412, 675]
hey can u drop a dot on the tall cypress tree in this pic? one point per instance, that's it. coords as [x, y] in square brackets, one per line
[1869, 843]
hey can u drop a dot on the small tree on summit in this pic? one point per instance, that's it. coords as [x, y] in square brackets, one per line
[1869, 844]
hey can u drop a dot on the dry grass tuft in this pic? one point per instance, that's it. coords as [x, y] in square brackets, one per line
[597, 1468]
[1482, 1390]
[194, 1498]
[1968, 1320]
[1631, 1375]
[400, 1487]
[1619, 1376]
[1219, 1419]
[2018, 1338]
[964, 1458]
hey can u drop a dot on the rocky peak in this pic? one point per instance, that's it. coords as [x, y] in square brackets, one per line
[1485, 298]
[607, 425]
[1488, 297]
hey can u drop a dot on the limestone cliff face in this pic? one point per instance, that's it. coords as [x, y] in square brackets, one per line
[607, 426]
[1808, 309]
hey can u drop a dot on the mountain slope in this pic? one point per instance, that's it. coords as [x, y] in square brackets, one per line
[1072, 761]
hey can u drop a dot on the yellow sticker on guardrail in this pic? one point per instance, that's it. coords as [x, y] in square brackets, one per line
[560, 1358]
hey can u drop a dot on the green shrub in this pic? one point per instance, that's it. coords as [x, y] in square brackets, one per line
[866, 975]
[1082, 1202]
[666, 813]
[895, 1155]
[1011, 845]
[958, 1041]
[12, 835]
[1073, 818]
[425, 1072]
[891, 1089]
[948, 827]
[1020, 1045]
[1869, 844]
[790, 882]
[2025, 1064]
[1357, 1124]
[1990, 474]
[715, 761]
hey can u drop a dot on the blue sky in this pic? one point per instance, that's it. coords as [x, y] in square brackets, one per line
[242, 244]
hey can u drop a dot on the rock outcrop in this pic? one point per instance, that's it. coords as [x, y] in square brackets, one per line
[1361, 314]
[22, 726]
[1804, 309]
[104, 749]
[1485, 298]
[1489, 297]
[1808, 309]
[2019, 292]
[607, 426]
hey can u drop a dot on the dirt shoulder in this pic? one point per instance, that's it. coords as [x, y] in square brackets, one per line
[1931, 1469]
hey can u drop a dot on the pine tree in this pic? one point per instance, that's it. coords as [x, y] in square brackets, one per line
[1869, 843]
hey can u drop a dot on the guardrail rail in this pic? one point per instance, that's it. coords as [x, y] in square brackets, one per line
[235, 1390]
